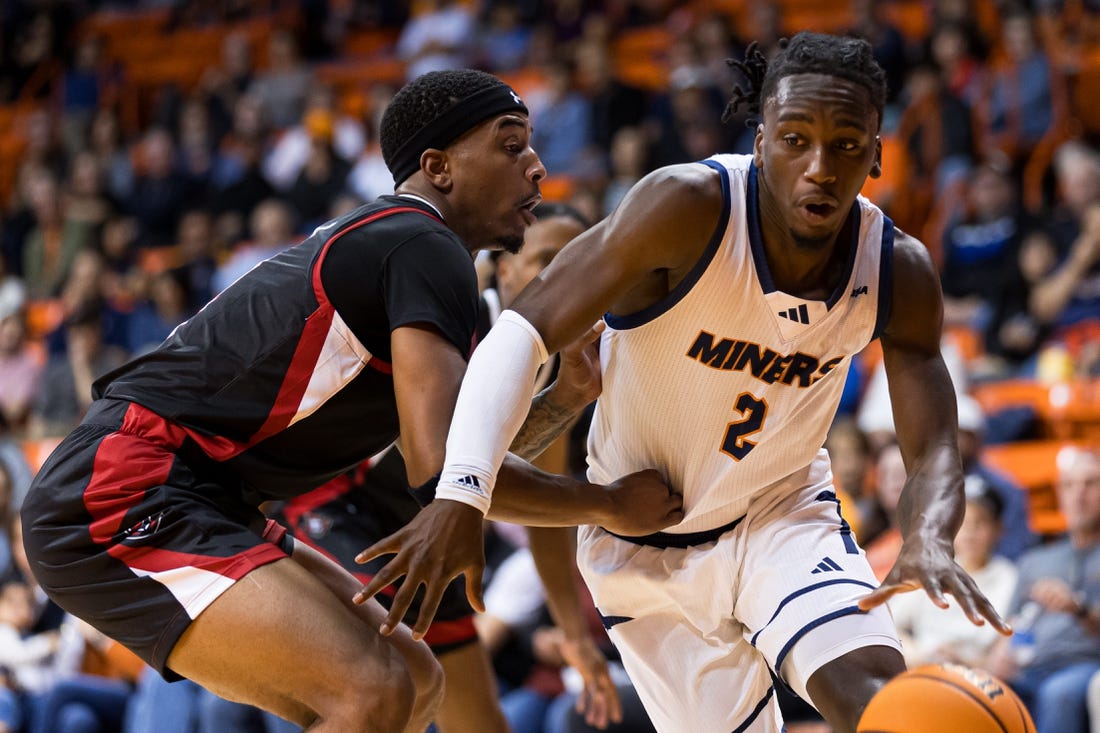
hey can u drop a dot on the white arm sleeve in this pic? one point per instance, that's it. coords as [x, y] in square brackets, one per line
[492, 405]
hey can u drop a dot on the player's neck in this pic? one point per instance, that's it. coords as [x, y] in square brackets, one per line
[806, 271]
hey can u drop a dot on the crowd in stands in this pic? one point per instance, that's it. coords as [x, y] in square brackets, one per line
[152, 151]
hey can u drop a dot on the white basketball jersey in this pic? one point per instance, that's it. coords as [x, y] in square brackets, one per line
[728, 386]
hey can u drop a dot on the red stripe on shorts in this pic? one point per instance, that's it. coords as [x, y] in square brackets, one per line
[130, 462]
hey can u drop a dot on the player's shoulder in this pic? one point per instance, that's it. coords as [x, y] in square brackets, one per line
[911, 257]
[681, 190]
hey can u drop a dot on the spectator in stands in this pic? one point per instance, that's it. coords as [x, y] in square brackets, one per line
[565, 124]
[369, 177]
[237, 183]
[223, 84]
[70, 374]
[272, 226]
[983, 287]
[85, 198]
[937, 132]
[870, 21]
[20, 365]
[931, 634]
[197, 250]
[294, 147]
[882, 547]
[1058, 594]
[54, 241]
[614, 104]
[439, 36]
[160, 190]
[281, 88]
[952, 46]
[1015, 535]
[503, 40]
[1026, 98]
[629, 161]
[7, 514]
[84, 86]
[105, 143]
[13, 461]
[1061, 262]
[195, 154]
[166, 305]
[324, 175]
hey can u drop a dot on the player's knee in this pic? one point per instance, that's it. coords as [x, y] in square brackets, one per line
[373, 702]
[427, 676]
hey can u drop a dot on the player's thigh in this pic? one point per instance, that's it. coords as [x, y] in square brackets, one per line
[803, 575]
[470, 702]
[689, 681]
[281, 640]
[417, 656]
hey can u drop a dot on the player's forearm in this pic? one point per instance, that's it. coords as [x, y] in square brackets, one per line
[932, 504]
[526, 495]
[546, 421]
[554, 552]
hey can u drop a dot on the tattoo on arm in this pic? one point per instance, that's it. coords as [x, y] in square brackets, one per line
[545, 422]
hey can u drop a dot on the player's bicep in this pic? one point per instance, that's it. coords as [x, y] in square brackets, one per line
[921, 392]
[645, 234]
[427, 374]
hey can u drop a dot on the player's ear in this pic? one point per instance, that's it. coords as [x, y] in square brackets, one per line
[876, 166]
[758, 141]
[437, 168]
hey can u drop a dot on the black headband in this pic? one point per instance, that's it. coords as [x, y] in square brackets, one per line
[450, 125]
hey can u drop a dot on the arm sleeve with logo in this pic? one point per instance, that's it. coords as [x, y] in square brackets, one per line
[492, 405]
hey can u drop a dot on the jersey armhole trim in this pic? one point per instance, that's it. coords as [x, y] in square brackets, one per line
[885, 278]
[634, 320]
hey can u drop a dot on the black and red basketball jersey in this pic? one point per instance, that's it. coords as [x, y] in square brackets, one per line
[285, 378]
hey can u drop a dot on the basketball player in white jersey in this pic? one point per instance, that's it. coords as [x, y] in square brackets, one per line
[735, 292]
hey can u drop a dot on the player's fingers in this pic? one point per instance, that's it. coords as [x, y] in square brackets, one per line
[400, 605]
[596, 710]
[474, 591]
[978, 608]
[386, 546]
[433, 594]
[882, 594]
[935, 592]
[385, 576]
[615, 703]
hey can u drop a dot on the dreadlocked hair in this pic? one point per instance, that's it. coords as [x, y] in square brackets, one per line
[806, 53]
[423, 99]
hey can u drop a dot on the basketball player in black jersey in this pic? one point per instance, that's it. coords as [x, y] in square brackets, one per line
[145, 521]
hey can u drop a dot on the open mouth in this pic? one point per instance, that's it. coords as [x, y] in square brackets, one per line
[527, 208]
[822, 211]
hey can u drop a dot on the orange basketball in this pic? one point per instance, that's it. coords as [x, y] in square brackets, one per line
[945, 698]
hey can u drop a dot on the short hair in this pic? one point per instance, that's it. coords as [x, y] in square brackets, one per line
[807, 53]
[424, 99]
[554, 209]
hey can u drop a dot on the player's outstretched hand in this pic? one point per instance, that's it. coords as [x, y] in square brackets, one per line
[599, 700]
[442, 541]
[579, 378]
[931, 565]
[642, 503]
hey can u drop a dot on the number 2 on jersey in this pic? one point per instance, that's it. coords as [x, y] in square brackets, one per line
[753, 411]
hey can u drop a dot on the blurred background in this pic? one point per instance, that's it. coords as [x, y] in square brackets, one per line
[153, 151]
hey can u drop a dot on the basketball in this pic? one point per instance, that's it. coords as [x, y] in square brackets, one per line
[945, 698]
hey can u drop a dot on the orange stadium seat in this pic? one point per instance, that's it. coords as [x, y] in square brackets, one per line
[1033, 465]
[1067, 410]
[37, 451]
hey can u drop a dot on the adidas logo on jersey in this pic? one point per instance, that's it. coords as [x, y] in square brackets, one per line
[827, 565]
[798, 315]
